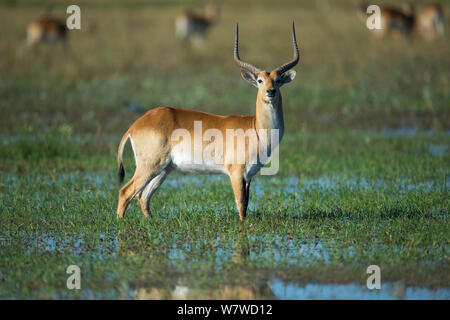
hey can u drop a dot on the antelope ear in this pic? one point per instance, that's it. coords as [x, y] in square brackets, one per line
[250, 77]
[288, 76]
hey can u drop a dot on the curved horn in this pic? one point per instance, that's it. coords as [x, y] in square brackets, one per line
[285, 67]
[242, 64]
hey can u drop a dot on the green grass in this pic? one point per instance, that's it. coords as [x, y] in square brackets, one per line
[298, 229]
[363, 173]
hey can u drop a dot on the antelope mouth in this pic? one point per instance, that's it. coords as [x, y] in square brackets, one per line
[271, 96]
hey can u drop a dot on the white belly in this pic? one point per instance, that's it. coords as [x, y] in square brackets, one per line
[186, 163]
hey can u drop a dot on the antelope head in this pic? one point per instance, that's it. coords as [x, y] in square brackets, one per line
[268, 83]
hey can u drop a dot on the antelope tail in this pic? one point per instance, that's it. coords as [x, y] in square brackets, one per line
[121, 173]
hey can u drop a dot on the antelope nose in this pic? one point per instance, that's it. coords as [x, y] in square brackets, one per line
[271, 92]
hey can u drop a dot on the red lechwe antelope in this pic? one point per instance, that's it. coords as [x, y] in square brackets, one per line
[430, 22]
[189, 24]
[427, 23]
[157, 153]
[394, 20]
[46, 28]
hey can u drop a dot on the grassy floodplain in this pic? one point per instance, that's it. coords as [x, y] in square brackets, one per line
[363, 173]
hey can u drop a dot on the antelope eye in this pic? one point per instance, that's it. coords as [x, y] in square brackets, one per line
[260, 81]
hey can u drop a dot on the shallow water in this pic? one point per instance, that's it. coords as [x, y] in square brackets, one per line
[275, 248]
[101, 182]
[408, 131]
[276, 289]
[271, 248]
[266, 250]
[389, 291]
[96, 246]
[438, 150]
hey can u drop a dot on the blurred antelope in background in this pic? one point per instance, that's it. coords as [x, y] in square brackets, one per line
[430, 22]
[46, 28]
[427, 23]
[394, 20]
[192, 25]
[156, 152]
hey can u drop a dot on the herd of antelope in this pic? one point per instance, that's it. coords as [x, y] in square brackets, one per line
[189, 26]
[157, 154]
[406, 21]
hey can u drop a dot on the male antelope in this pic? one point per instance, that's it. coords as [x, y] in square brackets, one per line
[46, 28]
[189, 24]
[157, 153]
[430, 22]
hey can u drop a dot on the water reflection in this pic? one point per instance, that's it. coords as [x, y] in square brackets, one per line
[241, 252]
[226, 292]
[278, 289]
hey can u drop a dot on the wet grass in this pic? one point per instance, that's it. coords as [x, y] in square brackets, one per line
[363, 173]
[298, 229]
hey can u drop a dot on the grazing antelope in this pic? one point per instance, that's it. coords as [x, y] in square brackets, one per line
[46, 28]
[157, 152]
[430, 22]
[394, 20]
[189, 25]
